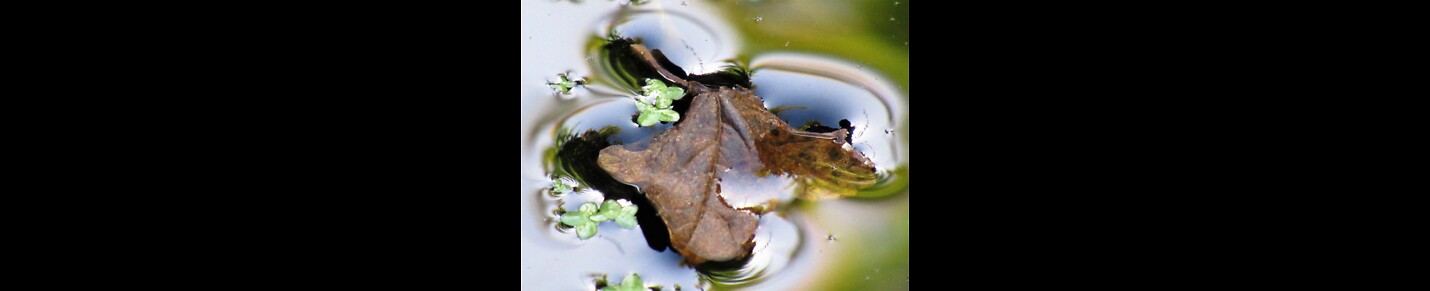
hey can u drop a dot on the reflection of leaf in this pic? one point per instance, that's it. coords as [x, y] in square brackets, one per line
[778, 110]
[728, 129]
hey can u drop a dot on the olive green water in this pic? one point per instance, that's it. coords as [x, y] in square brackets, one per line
[826, 61]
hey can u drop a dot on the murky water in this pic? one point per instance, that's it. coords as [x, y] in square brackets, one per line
[792, 246]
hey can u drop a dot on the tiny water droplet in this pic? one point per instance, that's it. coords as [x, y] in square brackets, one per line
[896, 3]
[866, 277]
[786, 43]
[831, 237]
[906, 43]
[759, 18]
[891, 19]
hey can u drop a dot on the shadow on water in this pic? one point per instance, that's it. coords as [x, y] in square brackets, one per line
[622, 64]
[577, 157]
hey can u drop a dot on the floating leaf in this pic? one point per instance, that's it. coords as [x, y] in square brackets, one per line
[563, 185]
[560, 188]
[652, 85]
[610, 208]
[627, 222]
[623, 212]
[644, 107]
[727, 129]
[648, 118]
[565, 84]
[672, 93]
[655, 103]
[667, 115]
[630, 283]
[587, 217]
[663, 102]
[574, 218]
[586, 231]
[629, 210]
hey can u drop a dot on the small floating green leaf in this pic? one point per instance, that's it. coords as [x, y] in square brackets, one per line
[655, 104]
[649, 118]
[575, 218]
[663, 102]
[565, 84]
[586, 231]
[667, 115]
[563, 185]
[626, 216]
[560, 188]
[627, 222]
[586, 218]
[630, 283]
[652, 85]
[610, 208]
[628, 211]
[671, 93]
[644, 107]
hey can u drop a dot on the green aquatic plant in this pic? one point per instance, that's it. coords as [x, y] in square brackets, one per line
[630, 283]
[655, 103]
[563, 185]
[564, 86]
[588, 216]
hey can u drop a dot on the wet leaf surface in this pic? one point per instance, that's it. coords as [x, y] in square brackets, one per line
[727, 130]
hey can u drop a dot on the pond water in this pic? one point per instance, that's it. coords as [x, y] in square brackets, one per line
[847, 68]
